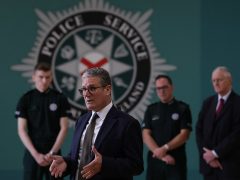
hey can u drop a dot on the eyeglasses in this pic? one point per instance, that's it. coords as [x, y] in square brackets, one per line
[162, 88]
[90, 89]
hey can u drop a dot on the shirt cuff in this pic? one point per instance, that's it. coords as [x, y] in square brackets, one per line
[214, 153]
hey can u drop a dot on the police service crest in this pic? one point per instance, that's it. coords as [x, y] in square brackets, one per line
[97, 34]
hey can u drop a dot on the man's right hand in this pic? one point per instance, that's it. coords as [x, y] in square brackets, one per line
[168, 159]
[215, 164]
[41, 160]
[58, 166]
[159, 152]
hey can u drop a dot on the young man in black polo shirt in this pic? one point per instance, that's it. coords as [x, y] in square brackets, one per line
[42, 123]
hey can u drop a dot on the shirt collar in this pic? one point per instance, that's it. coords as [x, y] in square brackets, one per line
[225, 97]
[45, 92]
[103, 112]
[169, 102]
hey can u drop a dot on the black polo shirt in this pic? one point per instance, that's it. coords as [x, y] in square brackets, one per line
[166, 120]
[43, 112]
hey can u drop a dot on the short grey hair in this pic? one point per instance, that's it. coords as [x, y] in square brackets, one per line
[223, 69]
[98, 72]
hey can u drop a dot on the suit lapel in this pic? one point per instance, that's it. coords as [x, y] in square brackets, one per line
[212, 114]
[107, 125]
[81, 124]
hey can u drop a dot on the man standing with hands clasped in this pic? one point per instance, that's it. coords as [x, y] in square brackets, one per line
[107, 143]
[166, 128]
[42, 123]
[218, 130]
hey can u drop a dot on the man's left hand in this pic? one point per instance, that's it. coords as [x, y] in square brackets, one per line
[208, 156]
[94, 166]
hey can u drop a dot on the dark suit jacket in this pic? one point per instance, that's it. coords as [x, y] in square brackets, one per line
[119, 141]
[221, 134]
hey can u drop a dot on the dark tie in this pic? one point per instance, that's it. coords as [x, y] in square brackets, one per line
[87, 145]
[220, 107]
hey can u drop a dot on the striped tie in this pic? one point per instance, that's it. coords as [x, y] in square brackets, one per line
[87, 145]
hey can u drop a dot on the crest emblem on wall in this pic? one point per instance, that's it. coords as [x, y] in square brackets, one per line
[97, 34]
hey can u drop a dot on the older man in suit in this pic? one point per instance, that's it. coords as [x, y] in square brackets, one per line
[117, 151]
[218, 130]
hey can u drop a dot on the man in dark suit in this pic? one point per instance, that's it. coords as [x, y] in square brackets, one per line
[218, 130]
[117, 151]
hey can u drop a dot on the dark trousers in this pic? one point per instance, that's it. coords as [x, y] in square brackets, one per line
[32, 171]
[217, 175]
[159, 170]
